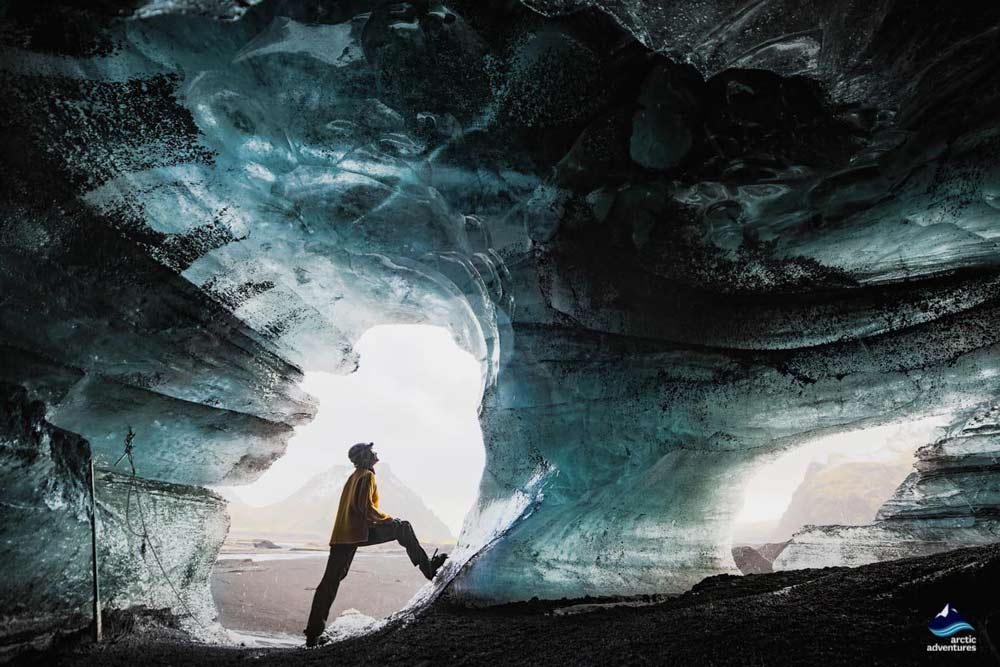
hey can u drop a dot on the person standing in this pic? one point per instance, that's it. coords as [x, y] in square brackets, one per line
[360, 523]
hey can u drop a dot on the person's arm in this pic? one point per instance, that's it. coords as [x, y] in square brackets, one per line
[364, 500]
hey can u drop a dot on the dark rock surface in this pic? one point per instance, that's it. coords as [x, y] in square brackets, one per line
[876, 614]
[750, 561]
[263, 544]
[757, 558]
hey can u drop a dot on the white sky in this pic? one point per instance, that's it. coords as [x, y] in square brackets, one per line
[772, 485]
[415, 395]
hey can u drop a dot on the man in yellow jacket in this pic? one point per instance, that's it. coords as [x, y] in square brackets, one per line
[360, 523]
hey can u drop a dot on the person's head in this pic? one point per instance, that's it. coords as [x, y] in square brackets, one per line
[362, 455]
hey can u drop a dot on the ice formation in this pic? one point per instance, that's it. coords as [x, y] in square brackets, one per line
[951, 500]
[158, 540]
[678, 240]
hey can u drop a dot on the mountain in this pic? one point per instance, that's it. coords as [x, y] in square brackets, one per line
[308, 513]
[841, 493]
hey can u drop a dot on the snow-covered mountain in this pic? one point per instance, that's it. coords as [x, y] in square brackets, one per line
[308, 514]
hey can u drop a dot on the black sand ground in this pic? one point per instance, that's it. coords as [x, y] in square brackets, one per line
[877, 614]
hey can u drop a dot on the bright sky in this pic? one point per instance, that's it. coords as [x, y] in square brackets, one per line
[415, 395]
[770, 489]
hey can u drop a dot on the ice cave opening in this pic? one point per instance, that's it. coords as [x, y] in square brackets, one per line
[842, 479]
[416, 395]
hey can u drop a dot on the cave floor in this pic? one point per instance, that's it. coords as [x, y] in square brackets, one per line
[875, 614]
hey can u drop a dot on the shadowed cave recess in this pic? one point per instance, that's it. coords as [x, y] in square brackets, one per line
[679, 238]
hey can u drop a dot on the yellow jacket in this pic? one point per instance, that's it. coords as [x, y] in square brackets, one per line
[358, 506]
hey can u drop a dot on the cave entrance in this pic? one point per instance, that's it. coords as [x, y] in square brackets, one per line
[415, 395]
[840, 479]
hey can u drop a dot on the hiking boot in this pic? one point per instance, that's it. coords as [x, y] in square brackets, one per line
[437, 560]
[318, 640]
[430, 567]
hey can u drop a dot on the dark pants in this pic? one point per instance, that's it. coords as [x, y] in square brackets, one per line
[339, 563]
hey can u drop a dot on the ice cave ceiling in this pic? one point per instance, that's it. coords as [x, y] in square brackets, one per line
[678, 236]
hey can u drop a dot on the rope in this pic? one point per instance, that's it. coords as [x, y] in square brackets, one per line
[132, 487]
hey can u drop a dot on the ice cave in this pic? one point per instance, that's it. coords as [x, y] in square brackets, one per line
[678, 238]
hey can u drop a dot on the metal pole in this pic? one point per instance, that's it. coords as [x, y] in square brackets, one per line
[93, 553]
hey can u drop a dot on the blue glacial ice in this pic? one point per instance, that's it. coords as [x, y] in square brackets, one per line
[677, 242]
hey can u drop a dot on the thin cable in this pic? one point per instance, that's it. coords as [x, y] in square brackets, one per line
[145, 531]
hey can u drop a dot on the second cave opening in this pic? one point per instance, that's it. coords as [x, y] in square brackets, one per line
[838, 479]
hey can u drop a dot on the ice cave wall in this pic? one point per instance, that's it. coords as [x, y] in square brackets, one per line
[157, 541]
[670, 267]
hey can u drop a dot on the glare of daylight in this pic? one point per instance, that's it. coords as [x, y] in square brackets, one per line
[770, 489]
[416, 396]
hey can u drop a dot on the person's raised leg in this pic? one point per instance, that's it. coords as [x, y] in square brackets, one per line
[380, 532]
[337, 566]
[402, 531]
[407, 538]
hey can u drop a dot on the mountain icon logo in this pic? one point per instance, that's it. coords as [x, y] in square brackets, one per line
[948, 622]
